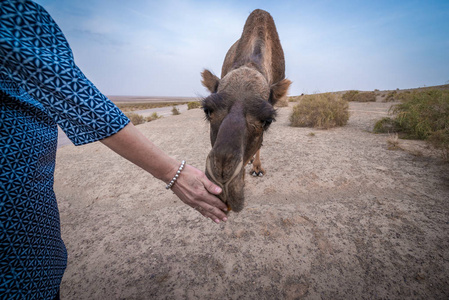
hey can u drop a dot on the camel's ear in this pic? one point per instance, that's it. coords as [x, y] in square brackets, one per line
[279, 90]
[210, 81]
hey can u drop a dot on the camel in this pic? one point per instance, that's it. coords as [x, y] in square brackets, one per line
[240, 107]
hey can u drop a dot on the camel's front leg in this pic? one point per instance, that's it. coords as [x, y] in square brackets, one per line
[257, 169]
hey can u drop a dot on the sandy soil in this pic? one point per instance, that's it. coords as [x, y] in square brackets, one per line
[338, 216]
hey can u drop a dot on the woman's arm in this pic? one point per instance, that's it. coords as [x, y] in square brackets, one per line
[192, 186]
[45, 69]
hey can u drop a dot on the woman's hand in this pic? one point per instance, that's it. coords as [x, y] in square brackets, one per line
[195, 190]
[192, 185]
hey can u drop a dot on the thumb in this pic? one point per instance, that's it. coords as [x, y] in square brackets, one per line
[211, 187]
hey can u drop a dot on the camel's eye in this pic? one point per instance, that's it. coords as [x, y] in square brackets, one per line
[207, 112]
[266, 123]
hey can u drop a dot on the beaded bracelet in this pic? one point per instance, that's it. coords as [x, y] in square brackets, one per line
[172, 182]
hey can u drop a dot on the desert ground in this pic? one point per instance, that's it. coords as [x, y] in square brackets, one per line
[337, 216]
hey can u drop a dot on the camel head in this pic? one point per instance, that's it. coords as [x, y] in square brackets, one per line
[239, 110]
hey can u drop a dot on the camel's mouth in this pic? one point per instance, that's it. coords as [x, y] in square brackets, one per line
[232, 194]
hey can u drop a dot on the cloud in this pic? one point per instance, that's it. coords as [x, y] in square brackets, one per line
[160, 47]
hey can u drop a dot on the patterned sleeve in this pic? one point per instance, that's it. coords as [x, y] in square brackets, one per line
[35, 55]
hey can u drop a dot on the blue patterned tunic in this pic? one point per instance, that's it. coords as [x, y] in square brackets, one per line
[40, 87]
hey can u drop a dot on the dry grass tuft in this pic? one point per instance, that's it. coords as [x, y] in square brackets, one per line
[359, 96]
[350, 95]
[398, 96]
[283, 102]
[294, 98]
[366, 97]
[422, 115]
[320, 111]
[393, 142]
[391, 96]
[385, 125]
[440, 140]
[175, 111]
[128, 107]
[193, 105]
[154, 116]
[136, 119]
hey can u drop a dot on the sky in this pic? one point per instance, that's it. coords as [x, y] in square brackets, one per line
[159, 48]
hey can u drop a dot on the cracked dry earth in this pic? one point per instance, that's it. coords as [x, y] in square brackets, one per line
[337, 216]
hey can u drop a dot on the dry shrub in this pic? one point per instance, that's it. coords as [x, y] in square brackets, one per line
[422, 115]
[365, 97]
[320, 111]
[154, 116]
[193, 105]
[396, 96]
[283, 102]
[391, 96]
[350, 95]
[440, 140]
[127, 107]
[393, 142]
[386, 125]
[175, 111]
[405, 96]
[359, 96]
[294, 98]
[136, 119]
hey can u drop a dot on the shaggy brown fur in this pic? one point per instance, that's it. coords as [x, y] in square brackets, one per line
[240, 107]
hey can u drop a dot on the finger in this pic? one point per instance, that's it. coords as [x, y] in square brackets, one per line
[212, 217]
[204, 198]
[210, 186]
[207, 215]
[215, 202]
[213, 213]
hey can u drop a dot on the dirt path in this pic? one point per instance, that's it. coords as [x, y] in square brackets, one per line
[338, 216]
